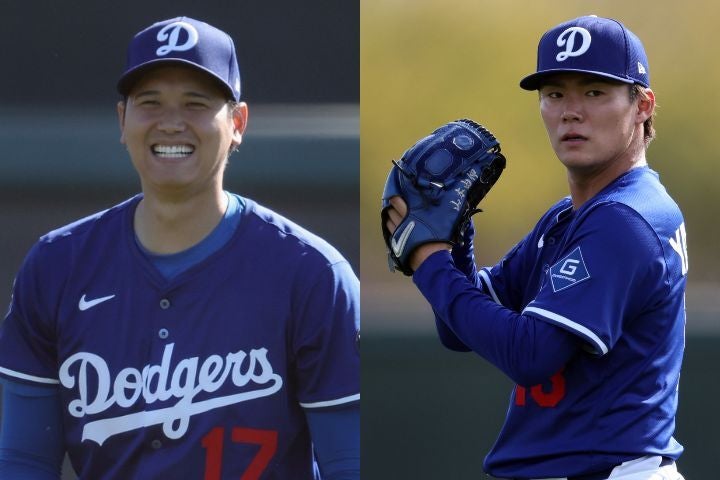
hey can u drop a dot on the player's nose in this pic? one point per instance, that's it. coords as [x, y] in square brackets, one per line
[171, 121]
[570, 115]
[572, 109]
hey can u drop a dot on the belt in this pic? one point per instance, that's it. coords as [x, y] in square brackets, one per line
[604, 474]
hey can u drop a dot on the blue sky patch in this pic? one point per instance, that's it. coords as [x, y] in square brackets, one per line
[569, 271]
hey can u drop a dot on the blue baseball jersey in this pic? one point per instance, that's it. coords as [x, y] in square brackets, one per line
[203, 375]
[612, 273]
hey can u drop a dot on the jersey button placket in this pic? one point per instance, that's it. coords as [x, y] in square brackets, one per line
[164, 333]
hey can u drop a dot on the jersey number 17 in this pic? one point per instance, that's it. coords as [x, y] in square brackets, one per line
[213, 444]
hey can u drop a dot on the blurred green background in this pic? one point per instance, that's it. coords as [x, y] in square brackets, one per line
[431, 413]
[424, 63]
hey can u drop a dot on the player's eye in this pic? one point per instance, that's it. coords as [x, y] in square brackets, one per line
[147, 102]
[196, 105]
[552, 94]
[594, 93]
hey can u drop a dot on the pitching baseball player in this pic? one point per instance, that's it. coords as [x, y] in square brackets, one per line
[187, 332]
[586, 314]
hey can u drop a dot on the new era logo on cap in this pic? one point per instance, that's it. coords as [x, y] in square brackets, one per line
[186, 41]
[591, 44]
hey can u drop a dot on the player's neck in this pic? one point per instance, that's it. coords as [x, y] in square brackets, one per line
[585, 184]
[166, 224]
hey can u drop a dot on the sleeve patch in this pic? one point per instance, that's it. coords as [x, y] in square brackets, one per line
[569, 271]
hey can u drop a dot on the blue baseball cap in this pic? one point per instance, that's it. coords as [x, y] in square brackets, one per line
[591, 44]
[186, 41]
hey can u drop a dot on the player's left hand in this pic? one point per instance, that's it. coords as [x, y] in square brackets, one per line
[434, 189]
[395, 215]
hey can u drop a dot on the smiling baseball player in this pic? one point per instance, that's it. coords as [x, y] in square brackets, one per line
[187, 332]
[587, 313]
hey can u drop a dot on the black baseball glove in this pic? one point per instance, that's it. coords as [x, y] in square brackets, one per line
[442, 178]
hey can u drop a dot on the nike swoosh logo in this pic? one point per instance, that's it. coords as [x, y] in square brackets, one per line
[85, 304]
[399, 245]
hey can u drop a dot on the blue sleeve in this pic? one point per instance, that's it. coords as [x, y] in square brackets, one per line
[336, 440]
[464, 256]
[325, 339]
[526, 349]
[27, 334]
[505, 282]
[464, 259]
[617, 273]
[31, 439]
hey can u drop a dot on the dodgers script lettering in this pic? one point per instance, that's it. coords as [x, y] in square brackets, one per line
[158, 383]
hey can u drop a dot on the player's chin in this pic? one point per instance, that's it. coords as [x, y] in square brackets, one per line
[171, 187]
[573, 155]
[165, 174]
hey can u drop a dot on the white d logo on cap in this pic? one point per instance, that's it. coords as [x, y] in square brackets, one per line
[567, 39]
[171, 34]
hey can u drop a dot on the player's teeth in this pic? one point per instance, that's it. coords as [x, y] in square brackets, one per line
[173, 151]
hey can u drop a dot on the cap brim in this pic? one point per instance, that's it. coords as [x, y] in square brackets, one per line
[535, 80]
[129, 78]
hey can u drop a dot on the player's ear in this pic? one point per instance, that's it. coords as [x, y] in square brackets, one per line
[121, 119]
[646, 105]
[239, 119]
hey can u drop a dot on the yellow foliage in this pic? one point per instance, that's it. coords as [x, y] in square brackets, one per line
[424, 63]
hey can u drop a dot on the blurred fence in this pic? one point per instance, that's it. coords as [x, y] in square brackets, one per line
[299, 159]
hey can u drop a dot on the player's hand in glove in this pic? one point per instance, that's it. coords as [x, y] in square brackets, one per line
[395, 214]
[441, 179]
